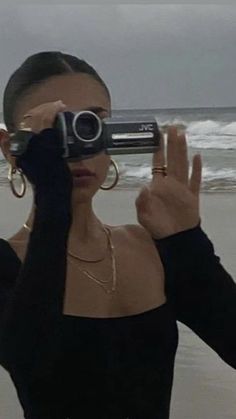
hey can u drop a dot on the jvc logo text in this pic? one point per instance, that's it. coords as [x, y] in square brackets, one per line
[146, 127]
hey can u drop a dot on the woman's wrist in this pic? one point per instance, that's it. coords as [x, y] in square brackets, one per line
[187, 248]
[180, 234]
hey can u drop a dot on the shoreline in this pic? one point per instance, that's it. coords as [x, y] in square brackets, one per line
[218, 214]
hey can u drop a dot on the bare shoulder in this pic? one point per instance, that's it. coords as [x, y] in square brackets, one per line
[133, 232]
[133, 241]
[18, 243]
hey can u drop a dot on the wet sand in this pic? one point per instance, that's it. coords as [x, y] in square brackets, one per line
[204, 386]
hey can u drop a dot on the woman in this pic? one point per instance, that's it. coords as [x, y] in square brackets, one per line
[88, 322]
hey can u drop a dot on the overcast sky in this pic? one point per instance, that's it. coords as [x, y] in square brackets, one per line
[151, 56]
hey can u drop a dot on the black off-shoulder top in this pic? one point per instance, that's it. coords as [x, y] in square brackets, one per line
[103, 368]
[68, 367]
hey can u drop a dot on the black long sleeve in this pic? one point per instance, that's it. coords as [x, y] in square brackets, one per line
[202, 293]
[30, 320]
[30, 323]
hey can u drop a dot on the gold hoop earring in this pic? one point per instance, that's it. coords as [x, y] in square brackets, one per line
[107, 188]
[12, 171]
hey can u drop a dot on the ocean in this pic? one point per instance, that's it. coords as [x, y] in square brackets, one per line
[210, 132]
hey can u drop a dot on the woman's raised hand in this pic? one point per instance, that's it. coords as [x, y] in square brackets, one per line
[42, 117]
[170, 204]
[43, 162]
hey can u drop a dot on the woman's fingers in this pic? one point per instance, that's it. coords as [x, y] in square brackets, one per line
[177, 155]
[158, 159]
[182, 159]
[171, 150]
[43, 116]
[196, 176]
[143, 200]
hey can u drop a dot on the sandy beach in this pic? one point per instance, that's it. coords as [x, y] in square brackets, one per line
[204, 386]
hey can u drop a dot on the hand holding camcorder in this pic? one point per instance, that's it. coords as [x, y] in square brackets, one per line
[83, 134]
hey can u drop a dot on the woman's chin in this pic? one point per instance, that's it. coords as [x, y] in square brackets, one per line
[82, 194]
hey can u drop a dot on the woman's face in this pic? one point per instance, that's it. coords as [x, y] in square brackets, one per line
[78, 92]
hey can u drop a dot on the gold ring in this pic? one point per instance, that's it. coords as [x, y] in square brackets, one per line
[23, 127]
[159, 169]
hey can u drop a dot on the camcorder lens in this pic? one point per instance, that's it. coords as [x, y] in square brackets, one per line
[87, 127]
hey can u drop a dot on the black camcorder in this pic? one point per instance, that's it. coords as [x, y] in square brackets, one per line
[83, 134]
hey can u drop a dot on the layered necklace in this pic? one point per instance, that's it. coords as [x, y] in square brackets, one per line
[108, 285]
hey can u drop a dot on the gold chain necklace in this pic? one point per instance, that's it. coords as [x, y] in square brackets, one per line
[93, 260]
[113, 278]
[78, 257]
[100, 282]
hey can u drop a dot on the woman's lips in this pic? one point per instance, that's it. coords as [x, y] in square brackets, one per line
[82, 177]
[82, 172]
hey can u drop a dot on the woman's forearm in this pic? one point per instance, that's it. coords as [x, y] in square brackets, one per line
[202, 293]
[30, 335]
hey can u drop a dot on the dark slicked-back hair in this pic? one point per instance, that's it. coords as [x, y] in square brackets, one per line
[36, 69]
